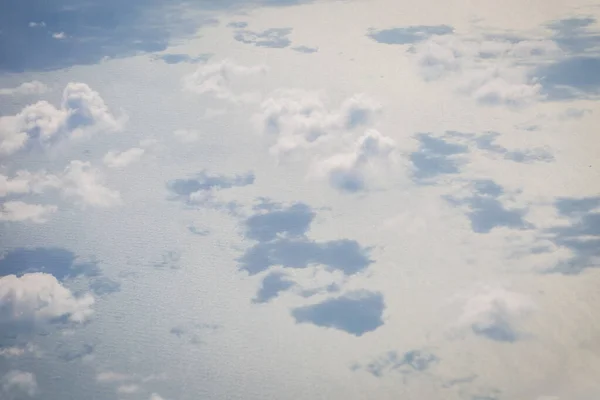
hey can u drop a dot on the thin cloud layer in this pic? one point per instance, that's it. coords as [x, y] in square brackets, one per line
[18, 384]
[276, 38]
[25, 89]
[408, 34]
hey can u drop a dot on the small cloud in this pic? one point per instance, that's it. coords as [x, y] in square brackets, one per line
[237, 24]
[155, 396]
[407, 363]
[110, 377]
[128, 388]
[25, 89]
[273, 284]
[496, 313]
[274, 37]
[114, 159]
[19, 384]
[305, 49]
[356, 313]
[59, 35]
[84, 184]
[41, 24]
[186, 135]
[177, 58]
[18, 211]
[202, 188]
[408, 34]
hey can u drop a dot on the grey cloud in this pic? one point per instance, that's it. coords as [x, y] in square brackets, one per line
[237, 24]
[274, 37]
[356, 313]
[271, 286]
[581, 236]
[409, 362]
[204, 182]
[305, 49]
[408, 34]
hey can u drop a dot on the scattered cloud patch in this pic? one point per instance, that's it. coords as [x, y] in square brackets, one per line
[408, 34]
[496, 314]
[25, 89]
[177, 58]
[436, 156]
[237, 24]
[59, 35]
[128, 388]
[407, 363]
[186, 135]
[85, 185]
[82, 112]
[274, 37]
[216, 79]
[272, 284]
[18, 211]
[356, 313]
[305, 49]
[19, 384]
[114, 159]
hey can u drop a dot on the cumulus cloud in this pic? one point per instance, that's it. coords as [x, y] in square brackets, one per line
[492, 72]
[18, 384]
[25, 182]
[114, 159]
[39, 298]
[15, 211]
[84, 184]
[216, 79]
[25, 88]
[82, 112]
[496, 314]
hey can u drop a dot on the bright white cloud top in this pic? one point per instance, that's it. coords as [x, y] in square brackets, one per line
[258, 199]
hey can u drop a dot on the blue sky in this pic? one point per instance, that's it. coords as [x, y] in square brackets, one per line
[255, 199]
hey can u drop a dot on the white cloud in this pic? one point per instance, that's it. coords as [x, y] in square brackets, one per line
[15, 351]
[186, 135]
[369, 162]
[25, 182]
[216, 79]
[16, 384]
[38, 298]
[25, 88]
[36, 24]
[496, 314]
[15, 211]
[492, 72]
[113, 159]
[84, 183]
[128, 389]
[82, 112]
[155, 396]
[300, 119]
[59, 35]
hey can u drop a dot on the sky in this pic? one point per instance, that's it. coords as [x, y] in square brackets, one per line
[294, 199]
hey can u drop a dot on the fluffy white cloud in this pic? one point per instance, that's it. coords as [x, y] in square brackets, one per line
[38, 298]
[186, 135]
[113, 159]
[84, 184]
[299, 119]
[15, 211]
[25, 88]
[216, 79]
[490, 71]
[82, 111]
[372, 157]
[155, 396]
[25, 182]
[16, 384]
[496, 313]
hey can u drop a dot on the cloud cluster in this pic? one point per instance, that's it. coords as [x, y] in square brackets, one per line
[274, 37]
[82, 112]
[25, 89]
[18, 384]
[301, 126]
[216, 79]
[39, 298]
[491, 71]
[114, 159]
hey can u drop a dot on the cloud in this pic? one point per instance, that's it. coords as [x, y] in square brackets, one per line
[580, 234]
[275, 37]
[356, 313]
[216, 79]
[84, 184]
[186, 135]
[25, 182]
[305, 49]
[113, 159]
[300, 120]
[18, 384]
[485, 210]
[25, 89]
[128, 388]
[408, 34]
[18, 211]
[237, 24]
[372, 159]
[407, 363]
[39, 298]
[177, 58]
[155, 396]
[82, 112]
[282, 241]
[110, 376]
[496, 314]
[271, 286]
[17, 351]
